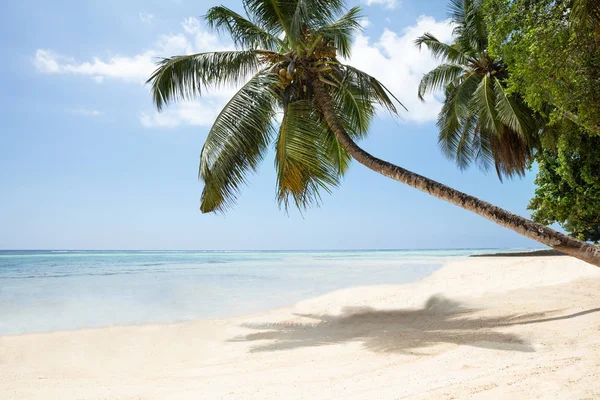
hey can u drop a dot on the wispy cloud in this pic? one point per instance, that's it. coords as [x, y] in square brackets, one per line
[185, 113]
[146, 17]
[134, 68]
[364, 22]
[389, 4]
[86, 112]
[137, 68]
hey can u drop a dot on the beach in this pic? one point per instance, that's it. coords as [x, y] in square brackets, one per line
[485, 328]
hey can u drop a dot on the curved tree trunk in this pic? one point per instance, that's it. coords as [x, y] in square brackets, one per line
[566, 244]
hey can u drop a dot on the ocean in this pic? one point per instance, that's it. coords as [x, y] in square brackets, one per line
[43, 291]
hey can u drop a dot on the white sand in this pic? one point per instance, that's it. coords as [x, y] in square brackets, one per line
[501, 328]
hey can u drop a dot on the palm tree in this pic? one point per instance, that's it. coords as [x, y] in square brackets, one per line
[478, 122]
[290, 49]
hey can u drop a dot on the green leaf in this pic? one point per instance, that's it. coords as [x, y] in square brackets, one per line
[342, 30]
[484, 103]
[440, 50]
[245, 34]
[456, 121]
[185, 77]
[355, 106]
[304, 167]
[271, 15]
[237, 141]
[372, 88]
[313, 14]
[439, 78]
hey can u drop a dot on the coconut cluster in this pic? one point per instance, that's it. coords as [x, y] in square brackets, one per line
[286, 75]
[328, 51]
[321, 54]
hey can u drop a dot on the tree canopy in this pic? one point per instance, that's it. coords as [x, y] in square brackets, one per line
[283, 48]
[568, 185]
[552, 52]
[480, 122]
[552, 49]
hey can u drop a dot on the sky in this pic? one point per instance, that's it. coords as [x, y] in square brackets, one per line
[87, 163]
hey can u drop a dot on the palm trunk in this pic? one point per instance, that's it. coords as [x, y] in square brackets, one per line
[549, 237]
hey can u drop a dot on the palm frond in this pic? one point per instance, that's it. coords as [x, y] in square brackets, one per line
[482, 149]
[439, 78]
[342, 30]
[464, 152]
[512, 113]
[245, 33]
[456, 11]
[456, 120]
[499, 144]
[469, 25]
[511, 152]
[586, 10]
[303, 166]
[271, 15]
[313, 14]
[376, 91]
[185, 77]
[337, 155]
[355, 106]
[440, 50]
[237, 141]
[484, 104]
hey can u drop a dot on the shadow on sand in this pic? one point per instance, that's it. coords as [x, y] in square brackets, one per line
[400, 331]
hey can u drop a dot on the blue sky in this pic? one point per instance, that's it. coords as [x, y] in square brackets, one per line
[86, 163]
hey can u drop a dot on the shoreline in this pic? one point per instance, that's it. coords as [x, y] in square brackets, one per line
[499, 327]
[532, 253]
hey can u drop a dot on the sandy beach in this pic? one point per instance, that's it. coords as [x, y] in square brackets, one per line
[485, 328]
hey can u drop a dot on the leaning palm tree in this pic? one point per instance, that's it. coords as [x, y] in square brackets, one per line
[289, 56]
[479, 122]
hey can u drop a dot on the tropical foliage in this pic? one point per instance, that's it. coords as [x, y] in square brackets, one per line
[283, 48]
[568, 185]
[552, 49]
[480, 122]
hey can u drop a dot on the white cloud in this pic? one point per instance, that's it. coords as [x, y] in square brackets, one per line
[399, 64]
[134, 68]
[191, 25]
[187, 113]
[137, 69]
[146, 17]
[131, 69]
[385, 3]
[47, 61]
[86, 112]
[364, 22]
[392, 58]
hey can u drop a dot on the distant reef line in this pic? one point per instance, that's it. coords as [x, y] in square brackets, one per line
[533, 253]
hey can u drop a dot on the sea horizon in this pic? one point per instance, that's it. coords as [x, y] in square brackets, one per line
[57, 250]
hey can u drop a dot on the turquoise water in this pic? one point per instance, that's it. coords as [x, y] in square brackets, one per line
[51, 290]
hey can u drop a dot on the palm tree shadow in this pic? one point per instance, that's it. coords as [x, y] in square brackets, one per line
[400, 331]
